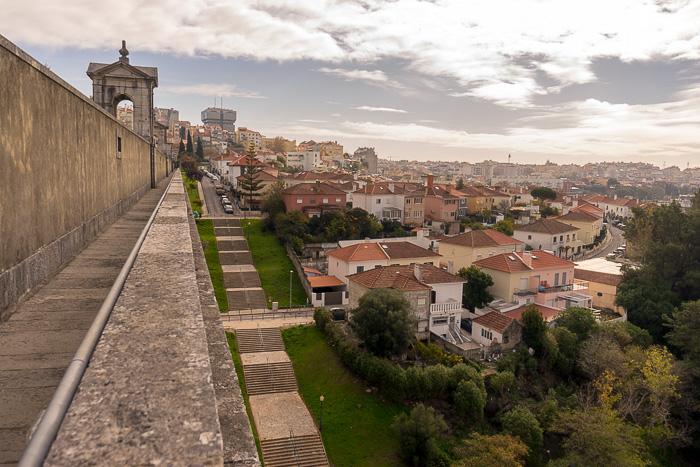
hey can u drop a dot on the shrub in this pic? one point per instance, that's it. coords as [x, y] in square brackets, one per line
[417, 384]
[438, 380]
[470, 400]
[523, 424]
[417, 434]
[322, 316]
[502, 382]
[394, 383]
[463, 372]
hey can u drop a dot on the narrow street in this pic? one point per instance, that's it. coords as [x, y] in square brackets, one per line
[617, 241]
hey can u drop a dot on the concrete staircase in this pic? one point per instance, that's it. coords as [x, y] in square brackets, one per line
[245, 279]
[235, 257]
[259, 340]
[228, 231]
[295, 451]
[227, 222]
[246, 299]
[266, 378]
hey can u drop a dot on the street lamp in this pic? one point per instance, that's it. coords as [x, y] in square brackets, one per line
[321, 425]
[290, 290]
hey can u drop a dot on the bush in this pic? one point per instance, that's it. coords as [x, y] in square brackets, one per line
[463, 372]
[417, 384]
[502, 382]
[523, 424]
[322, 316]
[438, 377]
[470, 400]
[417, 434]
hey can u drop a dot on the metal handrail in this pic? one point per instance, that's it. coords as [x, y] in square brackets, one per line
[39, 445]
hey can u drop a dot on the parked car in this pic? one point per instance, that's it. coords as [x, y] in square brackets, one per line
[225, 200]
[228, 209]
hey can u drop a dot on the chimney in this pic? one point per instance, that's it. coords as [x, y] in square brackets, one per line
[318, 186]
[366, 239]
[451, 267]
[615, 196]
[391, 186]
[527, 258]
[418, 271]
[430, 180]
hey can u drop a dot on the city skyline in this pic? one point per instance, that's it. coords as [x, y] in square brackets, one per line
[417, 80]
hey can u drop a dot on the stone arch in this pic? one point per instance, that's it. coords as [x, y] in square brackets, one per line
[118, 81]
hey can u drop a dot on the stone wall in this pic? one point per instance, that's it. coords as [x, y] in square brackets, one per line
[63, 178]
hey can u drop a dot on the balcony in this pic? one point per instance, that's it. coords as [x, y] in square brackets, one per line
[445, 307]
[577, 285]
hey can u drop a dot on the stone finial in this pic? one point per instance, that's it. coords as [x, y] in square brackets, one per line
[124, 52]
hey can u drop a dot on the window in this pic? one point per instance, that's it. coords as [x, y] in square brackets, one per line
[418, 201]
[567, 237]
[407, 214]
[529, 237]
[556, 278]
[408, 200]
[563, 278]
[573, 236]
[325, 200]
[312, 201]
[421, 301]
[377, 266]
[360, 268]
[554, 240]
[561, 238]
[417, 214]
[299, 200]
[338, 200]
[506, 339]
[379, 201]
[452, 214]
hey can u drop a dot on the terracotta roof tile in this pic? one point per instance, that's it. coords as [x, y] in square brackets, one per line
[513, 262]
[596, 276]
[578, 216]
[547, 313]
[324, 281]
[312, 189]
[481, 238]
[368, 251]
[494, 320]
[548, 226]
[403, 277]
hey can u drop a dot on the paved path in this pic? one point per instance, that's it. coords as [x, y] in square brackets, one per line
[46, 328]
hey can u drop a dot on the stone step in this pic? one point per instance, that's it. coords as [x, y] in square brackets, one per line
[235, 257]
[259, 340]
[246, 299]
[228, 231]
[231, 244]
[242, 279]
[226, 222]
[307, 451]
[269, 378]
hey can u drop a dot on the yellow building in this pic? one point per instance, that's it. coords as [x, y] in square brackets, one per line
[589, 225]
[463, 249]
[330, 150]
[476, 199]
[288, 146]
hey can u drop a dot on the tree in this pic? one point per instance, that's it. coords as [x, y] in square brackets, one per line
[475, 291]
[190, 148]
[277, 144]
[505, 227]
[535, 328]
[189, 165]
[384, 321]
[200, 149]
[612, 183]
[501, 382]
[580, 321]
[182, 148]
[470, 400]
[523, 424]
[491, 451]
[542, 193]
[362, 223]
[684, 327]
[250, 182]
[282, 160]
[460, 184]
[598, 437]
[417, 434]
[695, 202]
[273, 204]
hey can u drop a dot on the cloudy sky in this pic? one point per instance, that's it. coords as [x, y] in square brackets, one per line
[568, 81]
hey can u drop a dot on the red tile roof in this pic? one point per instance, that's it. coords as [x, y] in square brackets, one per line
[313, 189]
[403, 277]
[578, 216]
[513, 262]
[548, 226]
[379, 189]
[481, 238]
[595, 276]
[494, 320]
[324, 281]
[368, 251]
[547, 313]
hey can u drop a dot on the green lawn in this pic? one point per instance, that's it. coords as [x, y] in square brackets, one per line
[241, 379]
[205, 227]
[273, 265]
[353, 436]
[192, 193]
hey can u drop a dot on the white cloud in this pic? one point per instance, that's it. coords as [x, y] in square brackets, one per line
[380, 109]
[217, 90]
[494, 56]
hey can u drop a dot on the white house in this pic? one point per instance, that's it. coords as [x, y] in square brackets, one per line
[384, 200]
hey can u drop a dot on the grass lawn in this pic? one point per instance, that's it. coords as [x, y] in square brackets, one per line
[205, 227]
[192, 193]
[353, 436]
[273, 265]
[241, 378]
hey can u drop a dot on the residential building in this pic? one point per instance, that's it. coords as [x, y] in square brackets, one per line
[369, 156]
[535, 277]
[236, 167]
[495, 328]
[328, 291]
[435, 295]
[460, 251]
[330, 150]
[589, 225]
[548, 314]
[432, 205]
[287, 144]
[313, 199]
[369, 255]
[615, 207]
[309, 146]
[308, 160]
[267, 179]
[603, 277]
[551, 235]
[384, 200]
[245, 136]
